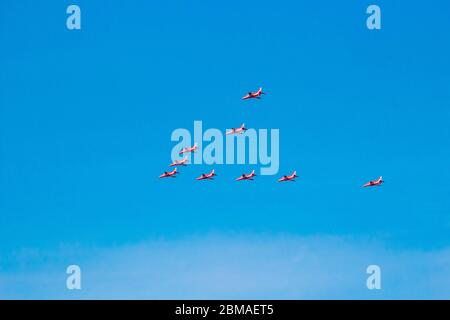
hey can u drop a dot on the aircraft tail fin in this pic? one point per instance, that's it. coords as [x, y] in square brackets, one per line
[295, 173]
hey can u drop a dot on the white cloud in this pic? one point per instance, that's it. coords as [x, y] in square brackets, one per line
[235, 266]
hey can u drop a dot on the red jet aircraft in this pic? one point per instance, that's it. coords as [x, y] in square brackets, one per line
[189, 149]
[207, 176]
[247, 176]
[373, 183]
[289, 178]
[171, 174]
[241, 129]
[253, 95]
[182, 162]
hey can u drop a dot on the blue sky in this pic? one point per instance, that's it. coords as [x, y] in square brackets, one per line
[86, 118]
